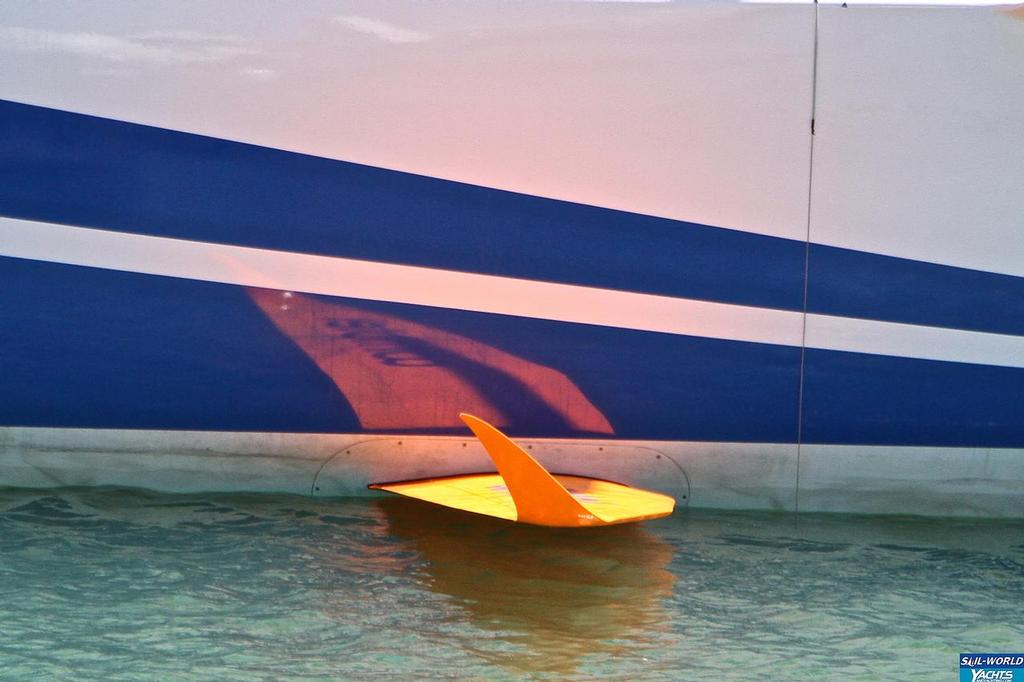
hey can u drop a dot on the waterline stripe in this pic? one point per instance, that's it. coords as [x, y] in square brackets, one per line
[415, 285]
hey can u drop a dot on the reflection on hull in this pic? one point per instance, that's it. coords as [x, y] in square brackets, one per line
[400, 375]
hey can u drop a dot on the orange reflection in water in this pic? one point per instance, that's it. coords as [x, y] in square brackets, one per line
[398, 374]
[553, 596]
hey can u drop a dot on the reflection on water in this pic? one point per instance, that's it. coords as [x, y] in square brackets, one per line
[556, 595]
[133, 585]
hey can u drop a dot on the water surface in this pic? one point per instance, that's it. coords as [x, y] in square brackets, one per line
[120, 584]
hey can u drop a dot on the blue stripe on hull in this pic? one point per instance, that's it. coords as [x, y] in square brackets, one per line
[857, 284]
[85, 347]
[856, 398]
[82, 170]
[96, 348]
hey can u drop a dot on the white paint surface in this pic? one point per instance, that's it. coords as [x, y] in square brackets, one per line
[919, 145]
[931, 481]
[696, 111]
[394, 283]
[350, 278]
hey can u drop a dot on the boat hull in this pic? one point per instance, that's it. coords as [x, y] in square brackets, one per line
[739, 260]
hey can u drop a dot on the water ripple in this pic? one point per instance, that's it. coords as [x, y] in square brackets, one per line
[127, 585]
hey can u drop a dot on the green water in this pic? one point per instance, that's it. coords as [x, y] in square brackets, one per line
[104, 584]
